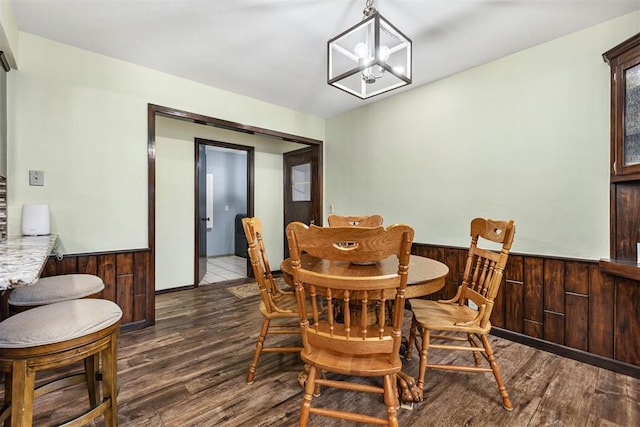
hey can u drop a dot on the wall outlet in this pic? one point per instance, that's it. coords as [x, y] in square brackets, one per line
[36, 178]
[330, 207]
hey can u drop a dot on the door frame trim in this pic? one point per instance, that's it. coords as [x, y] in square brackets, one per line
[154, 110]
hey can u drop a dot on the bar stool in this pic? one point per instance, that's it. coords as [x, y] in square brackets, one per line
[48, 290]
[57, 335]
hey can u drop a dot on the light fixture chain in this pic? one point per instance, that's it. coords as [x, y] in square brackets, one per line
[368, 9]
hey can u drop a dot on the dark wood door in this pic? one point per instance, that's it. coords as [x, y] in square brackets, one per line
[201, 214]
[302, 199]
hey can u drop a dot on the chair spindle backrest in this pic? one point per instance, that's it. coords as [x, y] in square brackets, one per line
[259, 261]
[349, 314]
[484, 268]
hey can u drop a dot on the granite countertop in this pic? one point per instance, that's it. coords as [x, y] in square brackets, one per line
[22, 259]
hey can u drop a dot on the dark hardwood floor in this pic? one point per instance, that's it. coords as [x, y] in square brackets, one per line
[190, 369]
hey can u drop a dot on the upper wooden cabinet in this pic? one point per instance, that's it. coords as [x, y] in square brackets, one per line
[624, 61]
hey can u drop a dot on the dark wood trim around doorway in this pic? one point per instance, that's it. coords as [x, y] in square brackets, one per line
[155, 110]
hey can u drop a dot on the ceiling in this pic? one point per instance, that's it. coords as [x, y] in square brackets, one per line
[275, 50]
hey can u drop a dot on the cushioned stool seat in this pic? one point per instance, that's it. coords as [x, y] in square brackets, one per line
[57, 335]
[48, 290]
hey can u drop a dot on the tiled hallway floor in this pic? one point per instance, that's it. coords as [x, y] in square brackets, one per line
[221, 269]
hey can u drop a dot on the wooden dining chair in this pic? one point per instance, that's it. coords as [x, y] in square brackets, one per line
[278, 307]
[464, 319]
[349, 339]
[355, 221]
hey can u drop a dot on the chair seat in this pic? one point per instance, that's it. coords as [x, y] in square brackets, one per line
[49, 290]
[437, 316]
[367, 365]
[58, 322]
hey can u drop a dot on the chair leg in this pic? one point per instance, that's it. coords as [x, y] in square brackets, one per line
[476, 355]
[412, 339]
[259, 346]
[391, 399]
[423, 358]
[316, 390]
[309, 388]
[506, 402]
[395, 391]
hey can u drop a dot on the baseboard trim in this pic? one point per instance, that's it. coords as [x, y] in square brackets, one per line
[179, 288]
[133, 326]
[571, 353]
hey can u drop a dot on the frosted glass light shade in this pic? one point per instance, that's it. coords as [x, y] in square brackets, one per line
[370, 58]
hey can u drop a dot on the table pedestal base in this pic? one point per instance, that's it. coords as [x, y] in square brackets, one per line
[408, 392]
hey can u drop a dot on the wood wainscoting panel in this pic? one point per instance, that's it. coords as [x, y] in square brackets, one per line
[577, 277]
[533, 292]
[107, 271]
[553, 327]
[88, 264]
[514, 294]
[627, 321]
[601, 310]
[67, 266]
[124, 263]
[568, 306]
[533, 328]
[553, 281]
[140, 284]
[576, 317]
[124, 296]
[498, 314]
[125, 275]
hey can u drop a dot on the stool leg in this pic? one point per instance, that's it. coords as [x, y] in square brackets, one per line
[22, 388]
[109, 381]
[90, 370]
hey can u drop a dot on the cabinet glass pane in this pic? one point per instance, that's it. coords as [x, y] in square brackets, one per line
[301, 182]
[632, 116]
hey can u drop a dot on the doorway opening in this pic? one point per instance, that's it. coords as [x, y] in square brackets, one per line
[223, 196]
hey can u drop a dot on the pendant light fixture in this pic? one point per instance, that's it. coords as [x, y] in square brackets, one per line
[370, 58]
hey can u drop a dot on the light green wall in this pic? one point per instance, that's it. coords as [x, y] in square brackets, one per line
[524, 137]
[82, 119]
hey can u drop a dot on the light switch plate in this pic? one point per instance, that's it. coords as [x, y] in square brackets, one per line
[36, 177]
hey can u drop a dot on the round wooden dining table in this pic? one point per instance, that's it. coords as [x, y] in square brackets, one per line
[426, 276]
